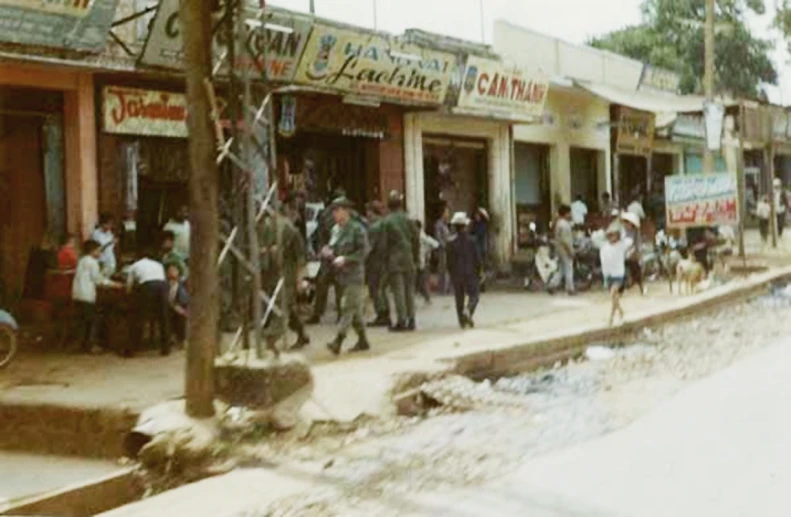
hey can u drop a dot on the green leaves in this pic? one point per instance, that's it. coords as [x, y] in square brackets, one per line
[671, 36]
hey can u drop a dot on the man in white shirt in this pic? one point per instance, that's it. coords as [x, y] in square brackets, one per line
[103, 234]
[579, 211]
[83, 291]
[146, 278]
[180, 227]
[636, 208]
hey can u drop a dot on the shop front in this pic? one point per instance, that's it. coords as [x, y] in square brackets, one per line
[143, 158]
[47, 167]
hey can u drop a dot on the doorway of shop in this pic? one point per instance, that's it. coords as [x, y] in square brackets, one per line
[455, 175]
[585, 176]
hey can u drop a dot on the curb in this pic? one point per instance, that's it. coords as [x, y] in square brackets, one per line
[541, 352]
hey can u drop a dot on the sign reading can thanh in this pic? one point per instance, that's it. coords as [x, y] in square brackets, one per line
[67, 24]
[277, 41]
[493, 88]
[131, 111]
[374, 65]
[701, 200]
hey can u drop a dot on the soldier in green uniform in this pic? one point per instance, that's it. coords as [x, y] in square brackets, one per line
[401, 246]
[290, 267]
[326, 275]
[376, 266]
[347, 257]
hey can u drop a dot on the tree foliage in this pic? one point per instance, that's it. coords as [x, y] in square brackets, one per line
[671, 36]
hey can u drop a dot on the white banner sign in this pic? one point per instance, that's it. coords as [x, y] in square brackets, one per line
[715, 118]
[131, 111]
[493, 88]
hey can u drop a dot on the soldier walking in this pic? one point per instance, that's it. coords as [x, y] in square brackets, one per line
[376, 266]
[401, 246]
[348, 261]
[290, 266]
[326, 275]
[464, 263]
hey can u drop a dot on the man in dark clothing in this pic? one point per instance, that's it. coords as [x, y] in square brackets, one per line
[326, 275]
[401, 246]
[463, 266]
[376, 266]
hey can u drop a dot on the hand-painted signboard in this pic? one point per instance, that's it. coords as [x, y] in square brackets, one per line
[275, 40]
[131, 111]
[701, 200]
[65, 24]
[493, 88]
[374, 65]
[635, 132]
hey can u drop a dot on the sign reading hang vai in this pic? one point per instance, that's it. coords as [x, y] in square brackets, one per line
[495, 89]
[701, 200]
[374, 65]
[279, 50]
[65, 24]
[131, 111]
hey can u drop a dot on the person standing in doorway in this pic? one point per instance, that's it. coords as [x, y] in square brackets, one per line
[103, 234]
[401, 244]
[348, 260]
[146, 279]
[564, 247]
[579, 211]
[781, 205]
[463, 265]
[180, 226]
[442, 235]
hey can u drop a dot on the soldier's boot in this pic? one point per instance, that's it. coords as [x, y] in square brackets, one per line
[335, 345]
[382, 320]
[362, 340]
[302, 341]
[411, 325]
[401, 326]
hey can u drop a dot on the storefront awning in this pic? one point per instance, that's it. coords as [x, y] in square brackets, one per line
[645, 101]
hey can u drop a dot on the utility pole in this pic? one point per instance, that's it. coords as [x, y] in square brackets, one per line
[708, 77]
[312, 7]
[203, 197]
[483, 24]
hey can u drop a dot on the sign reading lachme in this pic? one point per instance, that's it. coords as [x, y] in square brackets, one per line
[492, 87]
[65, 24]
[132, 111]
[374, 65]
[701, 200]
[279, 49]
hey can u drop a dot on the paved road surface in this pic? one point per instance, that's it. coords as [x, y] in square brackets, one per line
[720, 448]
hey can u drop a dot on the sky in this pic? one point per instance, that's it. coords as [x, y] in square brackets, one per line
[570, 20]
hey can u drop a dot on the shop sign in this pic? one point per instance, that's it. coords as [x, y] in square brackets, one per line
[67, 24]
[635, 132]
[279, 50]
[131, 111]
[374, 65]
[492, 87]
[701, 200]
[659, 79]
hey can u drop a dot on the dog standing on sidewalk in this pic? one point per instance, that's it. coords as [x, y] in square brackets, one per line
[689, 275]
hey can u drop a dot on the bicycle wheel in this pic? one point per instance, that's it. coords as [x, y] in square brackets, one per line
[8, 345]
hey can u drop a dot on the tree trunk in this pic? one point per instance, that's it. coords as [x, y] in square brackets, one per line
[204, 219]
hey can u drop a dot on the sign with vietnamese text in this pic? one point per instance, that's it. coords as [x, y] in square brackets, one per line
[701, 200]
[659, 79]
[66, 24]
[131, 111]
[493, 88]
[374, 65]
[275, 41]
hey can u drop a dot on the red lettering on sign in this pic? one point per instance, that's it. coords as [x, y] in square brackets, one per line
[483, 82]
[135, 104]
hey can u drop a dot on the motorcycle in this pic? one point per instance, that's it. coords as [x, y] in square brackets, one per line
[8, 338]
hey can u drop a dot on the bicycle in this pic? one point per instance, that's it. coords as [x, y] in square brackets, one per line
[8, 338]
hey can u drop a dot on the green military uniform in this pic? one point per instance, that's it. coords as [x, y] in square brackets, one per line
[376, 269]
[293, 260]
[352, 245]
[401, 246]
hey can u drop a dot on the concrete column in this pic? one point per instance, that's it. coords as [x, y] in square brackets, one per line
[560, 162]
[80, 156]
[413, 167]
[501, 199]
